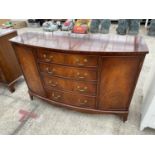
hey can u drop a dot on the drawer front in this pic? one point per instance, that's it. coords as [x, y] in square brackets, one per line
[81, 60]
[69, 72]
[72, 99]
[88, 88]
[67, 59]
[51, 57]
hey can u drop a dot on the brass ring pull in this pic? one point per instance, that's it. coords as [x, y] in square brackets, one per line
[44, 55]
[48, 59]
[81, 77]
[47, 69]
[81, 64]
[50, 72]
[53, 84]
[83, 102]
[51, 56]
[56, 97]
[85, 60]
[82, 90]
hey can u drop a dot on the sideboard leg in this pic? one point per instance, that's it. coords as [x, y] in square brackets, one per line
[11, 88]
[125, 117]
[31, 96]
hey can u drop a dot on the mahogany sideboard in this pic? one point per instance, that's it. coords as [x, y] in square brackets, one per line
[90, 73]
[9, 68]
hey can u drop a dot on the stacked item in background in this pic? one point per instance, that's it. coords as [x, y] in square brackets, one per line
[15, 24]
[128, 26]
[151, 28]
[81, 26]
[34, 23]
[55, 24]
[68, 25]
[100, 26]
[50, 26]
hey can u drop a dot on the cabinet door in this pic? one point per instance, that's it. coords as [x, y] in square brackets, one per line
[30, 70]
[118, 79]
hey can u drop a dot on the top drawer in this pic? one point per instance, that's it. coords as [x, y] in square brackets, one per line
[67, 59]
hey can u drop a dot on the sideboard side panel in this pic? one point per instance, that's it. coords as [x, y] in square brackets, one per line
[29, 68]
[118, 79]
[9, 63]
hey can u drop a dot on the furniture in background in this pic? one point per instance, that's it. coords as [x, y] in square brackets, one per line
[94, 25]
[128, 26]
[151, 28]
[134, 26]
[105, 26]
[90, 73]
[122, 26]
[9, 67]
[148, 105]
[100, 26]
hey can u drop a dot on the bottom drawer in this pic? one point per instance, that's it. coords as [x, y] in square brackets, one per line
[72, 99]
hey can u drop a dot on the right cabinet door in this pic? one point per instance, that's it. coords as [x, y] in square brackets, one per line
[118, 79]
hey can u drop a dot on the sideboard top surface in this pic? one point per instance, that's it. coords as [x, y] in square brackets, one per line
[4, 32]
[83, 42]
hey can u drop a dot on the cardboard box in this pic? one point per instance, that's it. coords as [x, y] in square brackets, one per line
[19, 24]
[3, 21]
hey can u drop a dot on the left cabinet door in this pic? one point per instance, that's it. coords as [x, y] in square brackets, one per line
[26, 57]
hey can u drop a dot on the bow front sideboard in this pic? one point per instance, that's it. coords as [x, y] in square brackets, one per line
[91, 73]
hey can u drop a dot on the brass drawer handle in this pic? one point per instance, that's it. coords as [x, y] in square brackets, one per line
[85, 60]
[56, 97]
[82, 90]
[81, 64]
[50, 72]
[53, 84]
[44, 55]
[83, 102]
[47, 69]
[81, 77]
[48, 59]
[51, 56]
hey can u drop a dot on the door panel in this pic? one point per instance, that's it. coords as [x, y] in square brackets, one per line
[118, 78]
[29, 68]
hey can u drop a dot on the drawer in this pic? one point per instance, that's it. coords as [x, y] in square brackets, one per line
[67, 59]
[51, 57]
[72, 99]
[88, 88]
[69, 72]
[81, 60]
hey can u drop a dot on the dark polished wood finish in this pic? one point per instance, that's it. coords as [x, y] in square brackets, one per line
[89, 73]
[9, 67]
